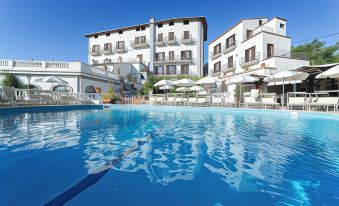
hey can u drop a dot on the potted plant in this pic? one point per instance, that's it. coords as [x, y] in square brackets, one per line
[237, 94]
[108, 97]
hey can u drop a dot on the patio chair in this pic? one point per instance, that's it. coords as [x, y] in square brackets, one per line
[160, 99]
[201, 100]
[251, 98]
[8, 95]
[325, 102]
[296, 99]
[228, 102]
[269, 99]
[170, 100]
[179, 100]
[152, 99]
[217, 100]
[191, 100]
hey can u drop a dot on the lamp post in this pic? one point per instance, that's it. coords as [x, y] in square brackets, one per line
[29, 80]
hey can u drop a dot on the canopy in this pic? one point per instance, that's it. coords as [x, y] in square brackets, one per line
[185, 82]
[242, 79]
[207, 80]
[164, 82]
[182, 89]
[196, 88]
[166, 87]
[286, 76]
[285, 82]
[331, 73]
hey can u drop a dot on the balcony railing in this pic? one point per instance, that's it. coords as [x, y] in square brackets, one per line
[228, 67]
[159, 42]
[173, 59]
[117, 61]
[215, 55]
[250, 60]
[228, 48]
[107, 51]
[119, 49]
[215, 72]
[94, 52]
[11, 64]
[139, 44]
[186, 39]
[171, 40]
[285, 54]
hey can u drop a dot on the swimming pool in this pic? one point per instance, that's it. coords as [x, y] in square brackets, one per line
[169, 156]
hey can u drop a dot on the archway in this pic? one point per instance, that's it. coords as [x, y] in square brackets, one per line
[90, 89]
[62, 88]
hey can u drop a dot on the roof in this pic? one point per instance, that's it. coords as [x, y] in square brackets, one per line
[236, 24]
[199, 18]
[315, 69]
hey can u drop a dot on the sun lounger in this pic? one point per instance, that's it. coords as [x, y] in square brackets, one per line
[296, 99]
[170, 100]
[325, 102]
[9, 95]
[178, 100]
[191, 100]
[201, 100]
[269, 99]
[217, 100]
[160, 99]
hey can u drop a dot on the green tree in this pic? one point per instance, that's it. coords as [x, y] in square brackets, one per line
[318, 52]
[10, 80]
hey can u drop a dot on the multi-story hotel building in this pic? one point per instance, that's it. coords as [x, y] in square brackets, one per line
[168, 47]
[256, 46]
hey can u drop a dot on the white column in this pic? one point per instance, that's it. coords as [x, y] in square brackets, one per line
[151, 43]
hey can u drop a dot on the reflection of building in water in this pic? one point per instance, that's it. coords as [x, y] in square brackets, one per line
[50, 131]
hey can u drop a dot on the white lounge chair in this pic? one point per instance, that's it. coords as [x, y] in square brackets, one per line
[217, 100]
[170, 100]
[179, 99]
[325, 102]
[269, 99]
[191, 101]
[296, 99]
[8, 95]
[160, 99]
[201, 100]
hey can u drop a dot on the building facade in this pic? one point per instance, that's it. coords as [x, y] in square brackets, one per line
[74, 77]
[256, 46]
[168, 47]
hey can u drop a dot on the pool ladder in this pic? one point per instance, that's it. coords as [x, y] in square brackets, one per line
[128, 100]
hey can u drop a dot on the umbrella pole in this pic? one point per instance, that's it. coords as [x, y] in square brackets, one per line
[283, 97]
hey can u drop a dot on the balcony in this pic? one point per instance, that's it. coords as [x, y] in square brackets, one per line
[159, 42]
[215, 72]
[258, 30]
[170, 41]
[107, 51]
[228, 48]
[285, 54]
[173, 60]
[228, 67]
[138, 44]
[215, 55]
[94, 53]
[186, 39]
[120, 49]
[244, 62]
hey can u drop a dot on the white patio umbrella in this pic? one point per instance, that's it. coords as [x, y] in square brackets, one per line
[240, 79]
[330, 73]
[207, 80]
[196, 88]
[185, 82]
[166, 87]
[286, 76]
[164, 82]
[182, 89]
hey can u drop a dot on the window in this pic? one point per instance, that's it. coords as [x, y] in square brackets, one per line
[270, 50]
[159, 25]
[143, 28]
[230, 62]
[108, 34]
[249, 33]
[171, 23]
[217, 49]
[160, 56]
[250, 54]
[160, 37]
[171, 55]
[95, 48]
[170, 35]
[216, 67]
[230, 41]
[186, 22]
[186, 34]
[140, 57]
[186, 55]
[95, 36]
[120, 45]
[159, 70]
[260, 22]
[120, 32]
[137, 29]
[140, 39]
[106, 61]
[185, 69]
[171, 70]
[63, 88]
[108, 47]
[282, 26]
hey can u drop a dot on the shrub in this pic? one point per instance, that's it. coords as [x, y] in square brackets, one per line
[10, 80]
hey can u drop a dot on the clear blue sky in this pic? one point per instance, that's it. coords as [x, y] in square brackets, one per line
[46, 29]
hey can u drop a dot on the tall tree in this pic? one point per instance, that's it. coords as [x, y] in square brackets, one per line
[10, 80]
[318, 52]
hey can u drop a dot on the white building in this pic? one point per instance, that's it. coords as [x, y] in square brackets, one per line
[253, 46]
[74, 77]
[168, 47]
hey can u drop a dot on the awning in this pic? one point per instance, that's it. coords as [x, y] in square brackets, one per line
[315, 69]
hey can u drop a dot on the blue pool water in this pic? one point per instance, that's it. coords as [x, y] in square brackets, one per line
[169, 156]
